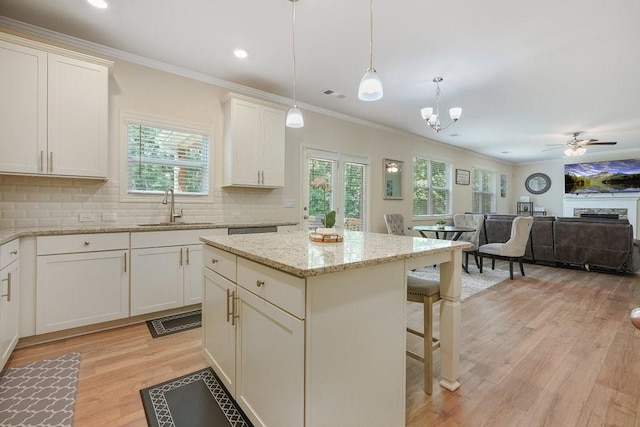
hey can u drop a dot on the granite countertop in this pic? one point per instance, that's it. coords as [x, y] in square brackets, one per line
[8, 234]
[294, 253]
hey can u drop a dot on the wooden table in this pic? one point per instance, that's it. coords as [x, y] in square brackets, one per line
[447, 229]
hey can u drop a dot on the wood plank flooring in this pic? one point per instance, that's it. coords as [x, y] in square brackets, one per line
[555, 348]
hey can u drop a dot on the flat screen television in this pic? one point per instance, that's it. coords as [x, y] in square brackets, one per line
[615, 176]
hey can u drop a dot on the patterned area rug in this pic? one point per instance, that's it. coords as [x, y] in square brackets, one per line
[472, 283]
[40, 394]
[175, 323]
[194, 400]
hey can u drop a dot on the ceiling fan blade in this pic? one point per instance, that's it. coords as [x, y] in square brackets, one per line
[600, 143]
[553, 148]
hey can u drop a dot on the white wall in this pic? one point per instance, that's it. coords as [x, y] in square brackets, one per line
[41, 201]
[552, 199]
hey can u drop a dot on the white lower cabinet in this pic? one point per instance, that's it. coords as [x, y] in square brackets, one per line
[89, 285]
[257, 350]
[9, 300]
[166, 269]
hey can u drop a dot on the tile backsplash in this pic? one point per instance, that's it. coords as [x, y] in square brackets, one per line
[43, 201]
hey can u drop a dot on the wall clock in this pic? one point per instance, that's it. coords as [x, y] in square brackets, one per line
[537, 183]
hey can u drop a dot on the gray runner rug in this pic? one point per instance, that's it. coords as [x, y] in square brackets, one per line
[42, 393]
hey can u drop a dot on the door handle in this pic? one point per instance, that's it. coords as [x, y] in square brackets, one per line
[234, 307]
[181, 257]
[125, 262]
[229, 302]
[187, 256]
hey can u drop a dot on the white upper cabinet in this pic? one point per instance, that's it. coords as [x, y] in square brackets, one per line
[53, 110]
[254, 144]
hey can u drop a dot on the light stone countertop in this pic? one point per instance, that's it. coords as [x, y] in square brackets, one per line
[8, 234]
[295, 253]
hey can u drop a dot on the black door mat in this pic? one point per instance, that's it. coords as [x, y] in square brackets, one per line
[193, 400]
[175, 323]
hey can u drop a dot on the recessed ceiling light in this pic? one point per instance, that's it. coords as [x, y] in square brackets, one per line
[240, 53]
[100, 4]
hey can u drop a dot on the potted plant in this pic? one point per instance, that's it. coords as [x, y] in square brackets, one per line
[441, 223]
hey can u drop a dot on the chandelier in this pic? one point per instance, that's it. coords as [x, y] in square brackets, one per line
[433, 120]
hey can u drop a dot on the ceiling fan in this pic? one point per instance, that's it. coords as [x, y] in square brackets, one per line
[576, 147]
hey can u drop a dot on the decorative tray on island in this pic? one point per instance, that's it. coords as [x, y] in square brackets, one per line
[327, 235]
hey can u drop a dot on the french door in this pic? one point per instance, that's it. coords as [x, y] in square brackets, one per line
[348, 192]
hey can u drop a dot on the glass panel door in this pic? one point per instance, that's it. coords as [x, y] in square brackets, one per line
[347, 190]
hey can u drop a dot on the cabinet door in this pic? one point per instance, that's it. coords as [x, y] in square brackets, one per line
[77, 125]
[156, 279]
[193, 275]
[269, 362]
[242, 143]
[219, 331]
[23, 108]
[9, 314]
[273, 147]
[81, 289]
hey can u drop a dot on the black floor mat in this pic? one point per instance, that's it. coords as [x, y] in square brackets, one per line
[175, 323]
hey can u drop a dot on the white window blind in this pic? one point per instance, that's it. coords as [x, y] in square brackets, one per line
[159, 159]
[484, 191]
[431, 187]
[355, 196]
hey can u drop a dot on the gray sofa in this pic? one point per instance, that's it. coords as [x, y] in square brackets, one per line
[590, 243]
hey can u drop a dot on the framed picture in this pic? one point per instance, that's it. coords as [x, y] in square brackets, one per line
[503, 185]
[463, 177]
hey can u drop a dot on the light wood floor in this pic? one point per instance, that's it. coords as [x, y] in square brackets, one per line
[554, 348]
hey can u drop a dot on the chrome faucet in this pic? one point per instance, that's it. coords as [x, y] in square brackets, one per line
[172, 207]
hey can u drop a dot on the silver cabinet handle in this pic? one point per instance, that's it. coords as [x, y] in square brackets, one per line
[8, 294]
[262, 177]
[181, 257]
[87, 243]
[258, 177]
[125, 262]
[213, 260]
[51, 161]
[229, 302]
[41, 161]
[259, 283]
[14, 252]
[234, 308]
[187, 256]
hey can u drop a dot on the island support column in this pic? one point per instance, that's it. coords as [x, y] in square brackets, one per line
[450, 320]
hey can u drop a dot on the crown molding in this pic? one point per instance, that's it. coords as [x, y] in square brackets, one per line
[75, 42]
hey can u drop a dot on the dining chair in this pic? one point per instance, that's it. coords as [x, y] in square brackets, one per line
[512, 249]
[395, 224]
[426, 292]
[475, 221]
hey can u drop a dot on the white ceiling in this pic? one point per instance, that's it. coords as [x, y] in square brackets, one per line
[525, 73]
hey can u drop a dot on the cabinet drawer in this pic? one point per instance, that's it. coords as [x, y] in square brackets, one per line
[223, 263]
[75, 243]
[9, 253]
[155, 239]
[281, 289]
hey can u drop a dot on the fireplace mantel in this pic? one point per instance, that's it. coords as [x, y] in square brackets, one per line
[630, 202]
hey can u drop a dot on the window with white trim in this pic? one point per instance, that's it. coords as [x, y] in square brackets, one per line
[484, 190]
[161, 158]
[431, 187]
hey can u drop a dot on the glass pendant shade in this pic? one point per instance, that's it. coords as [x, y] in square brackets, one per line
[294, 118]
[578, 151]
[426, 112]
[455, 113]
[370, 88]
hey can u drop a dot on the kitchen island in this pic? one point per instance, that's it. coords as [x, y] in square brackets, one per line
[313, 334]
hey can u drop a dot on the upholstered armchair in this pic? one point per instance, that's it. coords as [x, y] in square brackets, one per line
[512, 249]
[395, 224]
[475, 221]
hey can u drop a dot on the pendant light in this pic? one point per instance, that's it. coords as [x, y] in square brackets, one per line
[370, 88]
[294, 116]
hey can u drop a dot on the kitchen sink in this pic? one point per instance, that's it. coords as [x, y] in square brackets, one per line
[168, 224]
